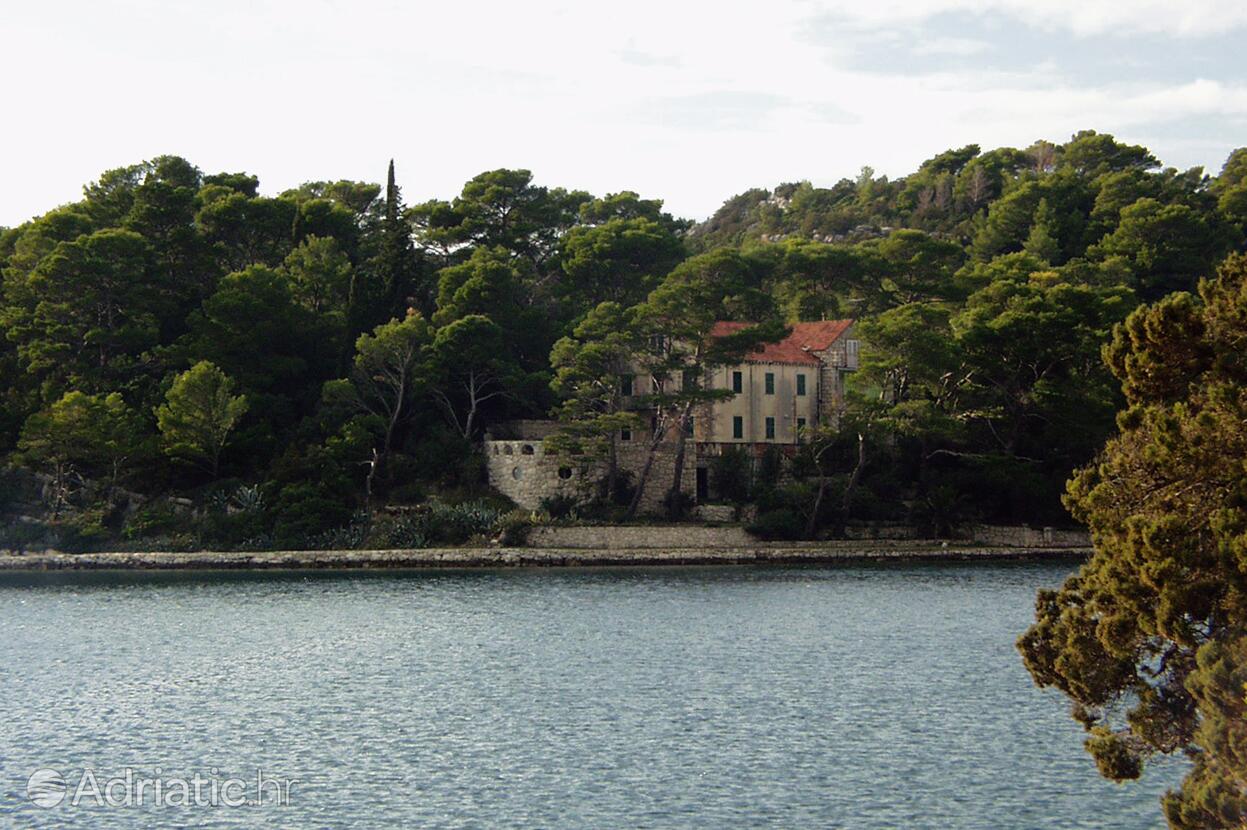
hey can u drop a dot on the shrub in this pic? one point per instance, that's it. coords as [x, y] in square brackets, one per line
[82, 532]
[438, 523]
[456, 524]
[625, 488]
[155, 518]
[347, 537]
[19, 536]
[729, 475]
[303, 511]
[775, 525]
[769, 467]
[561, 506]
[513, 528]
[406, 531]
[678, 504]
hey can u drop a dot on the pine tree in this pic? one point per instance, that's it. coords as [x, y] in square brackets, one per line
[1042, 241]
[393, 285]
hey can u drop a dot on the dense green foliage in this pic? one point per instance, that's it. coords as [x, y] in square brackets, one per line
[373, 343]
[1149, 638]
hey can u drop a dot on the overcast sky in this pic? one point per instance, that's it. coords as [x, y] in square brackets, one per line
[690, 102]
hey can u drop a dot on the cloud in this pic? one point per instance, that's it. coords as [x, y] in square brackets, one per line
[717, 110]
[959, 46]
[690, 102]
[1192, 18]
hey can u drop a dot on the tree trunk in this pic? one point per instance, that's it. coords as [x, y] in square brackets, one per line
[612, 469]
[856, 476]
[643, 478]
[811, 525]
[674, 507]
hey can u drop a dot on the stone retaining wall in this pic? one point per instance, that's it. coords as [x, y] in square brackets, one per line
[1030, 537]
[1017, 536]
[647, 537]
[515, 557]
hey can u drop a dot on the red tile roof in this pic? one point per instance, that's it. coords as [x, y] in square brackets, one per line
[797, 347]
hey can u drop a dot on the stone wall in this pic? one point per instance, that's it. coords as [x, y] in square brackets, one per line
[523, 471]
[1013, 536]
[694, 536]
[639, 536]
[1030, 537]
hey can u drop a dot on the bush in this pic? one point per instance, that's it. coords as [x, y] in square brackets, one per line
[456, 524]
[783, 524]
[82, 532]
[625, 488]
[19, 536]
[404, 532]
[769, 468]
[303, 511]
[156, 518]
[561, 506]
[729, 475]
[513, 528]
[347, 537]
[437, 523]
[678, 504]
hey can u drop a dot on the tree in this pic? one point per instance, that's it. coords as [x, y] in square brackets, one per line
[678, 327]
[198, 415]
[471, 366]
[247, 230]
[255, 331]
[80, 434]
[620, 260]
[1166, 247]
[97, 305]
[385, 379]
[917, 266]
[321, 277]
[1042, 242]
[1149, 638]
[589, 368]
[819, 446]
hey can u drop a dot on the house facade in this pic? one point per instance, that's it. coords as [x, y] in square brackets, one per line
[780, 390]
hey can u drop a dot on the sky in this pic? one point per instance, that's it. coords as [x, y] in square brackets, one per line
[690, 102]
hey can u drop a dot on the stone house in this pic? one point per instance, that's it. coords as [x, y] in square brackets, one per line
[780, 390]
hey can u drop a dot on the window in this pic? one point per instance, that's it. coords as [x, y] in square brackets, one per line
[565, 473]
[800, 384]
[688, 379]
[625, 435]
[738, 382]
[625, 385]
[738, 427]
[770, 383]
[688, 427]
[770, 429]
[800, 429]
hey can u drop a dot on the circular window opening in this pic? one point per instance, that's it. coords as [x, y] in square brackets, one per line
[508, 451]
[527, 449]
[517, 474]
[565, 472]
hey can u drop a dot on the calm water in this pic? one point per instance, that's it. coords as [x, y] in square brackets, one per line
[863, 697]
